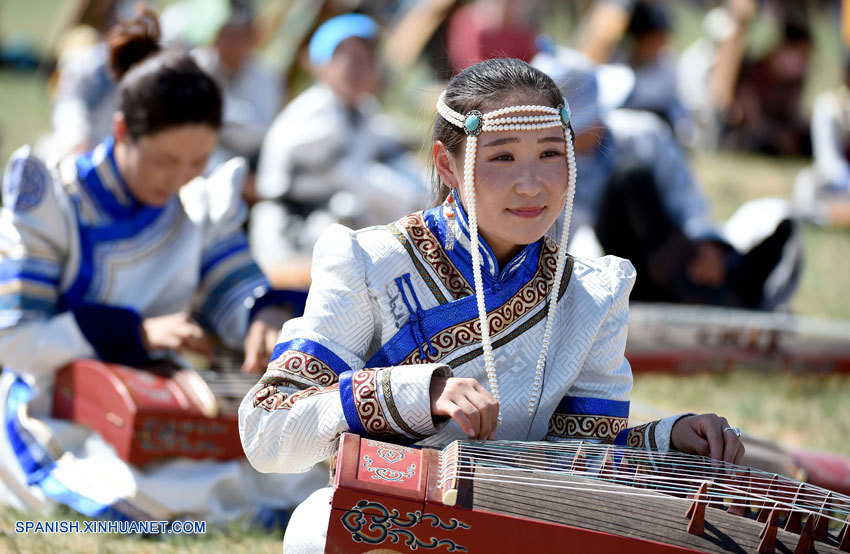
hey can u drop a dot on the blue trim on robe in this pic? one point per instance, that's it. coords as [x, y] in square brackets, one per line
[27, 303]
[349, 410]
[443, 316]
[582, 405]
[41, 271]
[622, 437]
[294, 299]
[37, 464]
[314, 349]
[225, 248]
[221, 291]
[435, 220]
[87, 171]
[130, 221]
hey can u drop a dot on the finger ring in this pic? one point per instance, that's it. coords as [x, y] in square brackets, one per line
[733, 429]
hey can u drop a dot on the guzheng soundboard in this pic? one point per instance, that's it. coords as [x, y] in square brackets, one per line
[155, 413]
[502, 496]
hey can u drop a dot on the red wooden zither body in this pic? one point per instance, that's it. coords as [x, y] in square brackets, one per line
[147, 414]
[388, 498]
[687, 339]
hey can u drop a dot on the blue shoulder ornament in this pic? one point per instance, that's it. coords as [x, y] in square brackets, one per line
[25, 184]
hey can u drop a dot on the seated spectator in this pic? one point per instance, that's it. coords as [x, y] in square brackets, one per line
[822, 191]
[125, 254]
[330, 156]
[640, 201]
[83, 101]
[766, 113]
[253, 94]
[653, 61]
[488, 29]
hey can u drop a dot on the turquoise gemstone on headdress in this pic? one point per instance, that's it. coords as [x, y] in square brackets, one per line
[565, 115]
[472, 122]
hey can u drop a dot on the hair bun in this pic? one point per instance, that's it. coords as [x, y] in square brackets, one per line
[132, 41]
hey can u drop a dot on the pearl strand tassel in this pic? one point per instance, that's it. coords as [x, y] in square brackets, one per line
[469, 193]
[559, 274]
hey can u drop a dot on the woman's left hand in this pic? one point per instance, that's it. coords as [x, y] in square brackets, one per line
[262, 337]
[707, 435]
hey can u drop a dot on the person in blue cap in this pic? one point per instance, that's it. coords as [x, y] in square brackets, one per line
[331, 155]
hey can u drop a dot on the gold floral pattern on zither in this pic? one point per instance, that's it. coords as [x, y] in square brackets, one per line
[304, 366]
[516, 307]
[604, 428]
[435, 256]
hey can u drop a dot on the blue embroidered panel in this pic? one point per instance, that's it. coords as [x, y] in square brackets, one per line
[460, 256]
[87, 171]
[582, 405]
[314, 349]
[436, 319]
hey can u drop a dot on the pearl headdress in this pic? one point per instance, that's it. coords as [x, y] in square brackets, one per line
[473, 124]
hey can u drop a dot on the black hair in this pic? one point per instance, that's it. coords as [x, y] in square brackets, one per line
[158, 89]
[796, 32]
[486, 82]
[648, 18]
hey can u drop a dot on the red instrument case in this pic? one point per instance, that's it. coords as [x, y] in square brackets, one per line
[146, 414]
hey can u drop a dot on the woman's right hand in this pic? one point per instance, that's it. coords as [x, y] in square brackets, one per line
[466, 402]
[175, 331]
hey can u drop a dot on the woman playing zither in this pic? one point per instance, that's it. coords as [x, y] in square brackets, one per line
[468, 320]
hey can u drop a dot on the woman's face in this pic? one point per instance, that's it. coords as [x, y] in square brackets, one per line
[351, 71]
[156, 166]
[520, 182]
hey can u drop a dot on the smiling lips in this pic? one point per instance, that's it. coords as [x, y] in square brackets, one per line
[529, 213]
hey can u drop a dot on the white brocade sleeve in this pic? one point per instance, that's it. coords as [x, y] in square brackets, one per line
[316, 385]
[605, 372]
[605, 379]
[34, 228]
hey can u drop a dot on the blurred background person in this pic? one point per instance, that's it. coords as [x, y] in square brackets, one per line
[125, 254]
[648, 52]
[487, 29]
[640, 201]
[330, 156]
[253, 94]
[84, 93]
[766, 113]
[822, 191]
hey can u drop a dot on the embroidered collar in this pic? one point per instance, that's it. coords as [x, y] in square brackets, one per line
[455, 237]
[99, 176]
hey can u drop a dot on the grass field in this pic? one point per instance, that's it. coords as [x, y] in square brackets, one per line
[811, 411]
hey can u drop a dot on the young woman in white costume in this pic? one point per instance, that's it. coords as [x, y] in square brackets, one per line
[468, 320]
